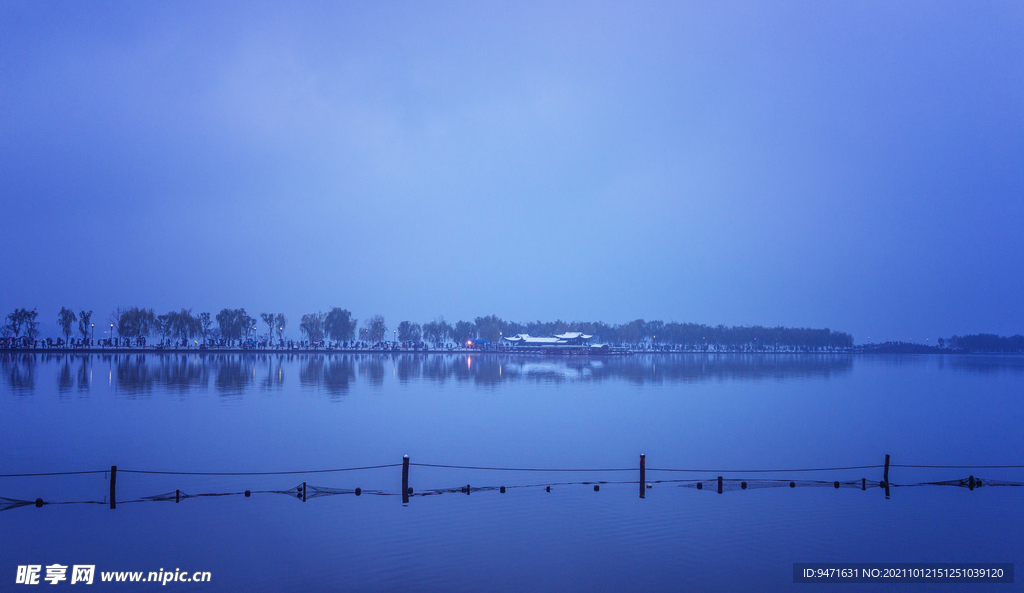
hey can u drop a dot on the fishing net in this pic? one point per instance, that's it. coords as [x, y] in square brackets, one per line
[7, 504]
[733, 485]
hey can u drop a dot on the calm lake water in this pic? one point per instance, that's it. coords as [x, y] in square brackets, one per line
[258, 413]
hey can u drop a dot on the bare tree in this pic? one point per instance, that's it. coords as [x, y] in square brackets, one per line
[339, 324]
[437, 331]
[375, 328]
[84, 318]
[22, 319]
[182, 325]
[281, 323]
[409, 332]
[65, 318]
[204, 324]
[462, 332]
[115, 321]
[135, 322]
[270, 319]
[248, 325]
[234, 324]
[312, 325]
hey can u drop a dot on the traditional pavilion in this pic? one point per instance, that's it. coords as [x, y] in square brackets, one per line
[566, 339]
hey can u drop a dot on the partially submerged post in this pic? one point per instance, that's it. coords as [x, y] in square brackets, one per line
[719, 484]
[113, 486]
[643, 474]
[405, 479]
[885, 475]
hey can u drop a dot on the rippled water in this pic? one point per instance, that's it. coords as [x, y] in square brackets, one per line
[252, 413]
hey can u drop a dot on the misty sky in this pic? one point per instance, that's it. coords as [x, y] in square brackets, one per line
[854, 165]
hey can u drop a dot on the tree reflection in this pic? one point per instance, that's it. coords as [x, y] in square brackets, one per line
[134, 376]
[84, 375]
[64, 380]
[337, 373]
[19, 371]
[371, 367]
[234, 372]
[274, 377]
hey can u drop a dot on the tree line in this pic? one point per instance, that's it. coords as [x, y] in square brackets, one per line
[984, 343]
[339, 325]
[694, 336]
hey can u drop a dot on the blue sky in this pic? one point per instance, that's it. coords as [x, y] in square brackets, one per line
[858, 166]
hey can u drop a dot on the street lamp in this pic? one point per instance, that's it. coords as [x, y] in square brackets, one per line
[111, 338]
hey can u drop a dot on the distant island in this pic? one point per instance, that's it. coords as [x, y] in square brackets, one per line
[134, 327]
[975, 343]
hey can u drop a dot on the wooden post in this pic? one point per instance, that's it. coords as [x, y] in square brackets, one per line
[177, 496]
[303, 492]
[405, 479]
[863, 483]
[643, 474]
[113, 486]
[719, 484]
[885, 475]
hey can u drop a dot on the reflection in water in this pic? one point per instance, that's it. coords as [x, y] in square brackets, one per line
[64, 380]
[371, 367]
[336, 373]
[84, 374]
[339, 374]
[273, 375]
[638, 369]
[134, 375]
[19, 371]
[234, 372]
[986, 364]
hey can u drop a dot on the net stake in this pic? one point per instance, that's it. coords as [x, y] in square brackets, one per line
[113, 482]
[643, 474]
[405, 479]
[885, 475]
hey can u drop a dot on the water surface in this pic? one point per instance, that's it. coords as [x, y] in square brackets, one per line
[271, 412]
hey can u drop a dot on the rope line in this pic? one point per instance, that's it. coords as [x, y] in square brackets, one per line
[313, 471]
[525, 469]
[766, 471]
[99, 471]
[513, 469]
[961, 466]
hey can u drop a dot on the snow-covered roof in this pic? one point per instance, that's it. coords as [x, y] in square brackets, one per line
[528, 339]
[573, 336]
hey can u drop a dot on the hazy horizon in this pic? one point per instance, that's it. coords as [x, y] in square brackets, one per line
[857, 167]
